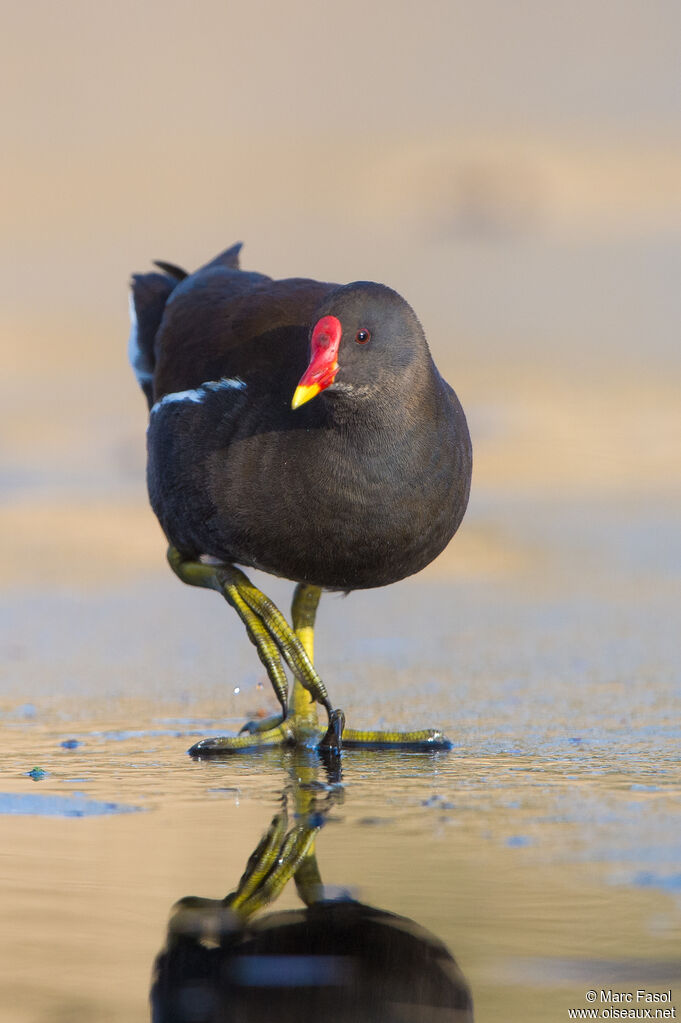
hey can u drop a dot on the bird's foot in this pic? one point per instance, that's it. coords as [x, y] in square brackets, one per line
[261, 725]
[338, 736]
[294, 730]
[423, 741]
[300, 724]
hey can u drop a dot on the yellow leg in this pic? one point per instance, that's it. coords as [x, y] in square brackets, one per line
[272, 636]
[274, 639]
[303, 705]
[303, 614]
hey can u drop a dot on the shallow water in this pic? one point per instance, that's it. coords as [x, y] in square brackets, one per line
[543, 850]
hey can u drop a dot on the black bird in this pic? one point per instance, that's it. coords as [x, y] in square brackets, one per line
[351, 473]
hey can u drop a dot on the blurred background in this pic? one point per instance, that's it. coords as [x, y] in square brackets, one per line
[514, 170]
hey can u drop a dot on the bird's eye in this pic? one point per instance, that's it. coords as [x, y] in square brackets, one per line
[362, 336]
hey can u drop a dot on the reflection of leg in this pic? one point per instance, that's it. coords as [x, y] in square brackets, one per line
[308, 880]
[281, 854]
[272, 865]
[269, 868]
[261, 861]
[311, 808]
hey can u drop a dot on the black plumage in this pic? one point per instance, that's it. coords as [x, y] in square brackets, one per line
[359, 487]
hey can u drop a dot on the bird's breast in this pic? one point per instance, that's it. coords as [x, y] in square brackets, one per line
[313, 507]
[232, 477]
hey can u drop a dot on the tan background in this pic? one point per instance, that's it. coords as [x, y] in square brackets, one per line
[514, 169]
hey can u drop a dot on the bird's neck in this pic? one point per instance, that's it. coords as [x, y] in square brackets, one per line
[371, 415]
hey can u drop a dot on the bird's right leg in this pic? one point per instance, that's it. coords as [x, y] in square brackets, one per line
[303, 699]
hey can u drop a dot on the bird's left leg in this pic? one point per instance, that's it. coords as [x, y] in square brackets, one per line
[271, 634]
[302, 704]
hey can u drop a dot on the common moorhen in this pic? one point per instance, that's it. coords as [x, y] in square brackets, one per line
[360, 487]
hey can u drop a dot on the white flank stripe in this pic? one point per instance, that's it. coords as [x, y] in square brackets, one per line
[198, 394]
[226, 384]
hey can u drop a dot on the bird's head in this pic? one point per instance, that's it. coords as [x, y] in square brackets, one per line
[365, 337]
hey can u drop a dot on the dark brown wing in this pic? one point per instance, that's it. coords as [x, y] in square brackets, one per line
[225, 323]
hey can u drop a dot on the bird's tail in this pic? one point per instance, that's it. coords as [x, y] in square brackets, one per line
[148, 296]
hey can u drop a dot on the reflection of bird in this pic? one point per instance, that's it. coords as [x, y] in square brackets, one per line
[335, 960]
[343, 962]
[360, 487]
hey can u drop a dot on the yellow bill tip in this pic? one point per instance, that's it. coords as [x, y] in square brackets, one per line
[303, 393]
